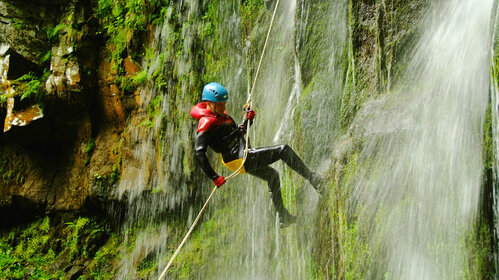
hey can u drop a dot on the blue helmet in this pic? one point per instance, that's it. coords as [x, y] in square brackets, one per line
[215, 92]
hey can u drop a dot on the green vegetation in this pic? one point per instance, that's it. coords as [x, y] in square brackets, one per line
[89, 150]
[480, 254]
[41, 251]
[17, 23]
[30, 86]
[104, 182]
[29, 255]
[130, 84]
[53, 32]
[121, 20]
[11, 171]
[102, 266]
[251, 10]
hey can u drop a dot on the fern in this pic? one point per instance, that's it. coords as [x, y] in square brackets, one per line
[33, 89]
[26, 77]
[30, 85]
[53, 32]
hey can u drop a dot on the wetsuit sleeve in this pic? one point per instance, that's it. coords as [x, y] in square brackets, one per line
[200, 147]
[243, 127]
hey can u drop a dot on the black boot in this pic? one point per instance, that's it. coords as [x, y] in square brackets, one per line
[286, 219]
[317, 182]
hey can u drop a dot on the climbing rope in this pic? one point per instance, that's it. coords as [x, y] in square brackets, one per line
[245, 155]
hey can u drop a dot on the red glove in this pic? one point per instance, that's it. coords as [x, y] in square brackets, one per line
[219, 181]
[250, 115]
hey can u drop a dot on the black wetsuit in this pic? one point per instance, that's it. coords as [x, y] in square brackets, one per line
[225, 137]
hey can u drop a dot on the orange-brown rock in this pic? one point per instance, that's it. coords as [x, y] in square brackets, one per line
[109, 98]
[131, 67]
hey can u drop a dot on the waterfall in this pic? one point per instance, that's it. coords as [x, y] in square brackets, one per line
[417, 183]
[418, 186]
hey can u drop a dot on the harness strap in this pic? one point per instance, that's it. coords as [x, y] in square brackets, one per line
[233, 165]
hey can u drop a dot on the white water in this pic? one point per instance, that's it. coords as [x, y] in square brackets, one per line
[418, 187]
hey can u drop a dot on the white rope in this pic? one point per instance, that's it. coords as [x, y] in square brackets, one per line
[248, 102]
[245, 155]
[188, 233]
[263, 52]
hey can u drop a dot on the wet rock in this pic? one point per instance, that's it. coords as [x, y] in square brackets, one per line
[18, 65]
[22, 117]
[110, 94]
[23, 24]
[73, 272]
[65, 69]
[131, 67]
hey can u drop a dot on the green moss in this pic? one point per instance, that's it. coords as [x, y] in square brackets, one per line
[53, 32]
[250, 12]
[289, 185]
[18, 23]
[42, 251]
[12, 171]
[102, 266]
[204, 245]
[130, 84]
[480, 254]
[89, 150]
[357, 253]
[104, 182]
[122, 19]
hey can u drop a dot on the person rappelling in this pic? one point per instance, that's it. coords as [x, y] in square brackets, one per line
[217, 130]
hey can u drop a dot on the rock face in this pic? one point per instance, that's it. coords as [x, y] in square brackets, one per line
[65, 72]
[53, 108]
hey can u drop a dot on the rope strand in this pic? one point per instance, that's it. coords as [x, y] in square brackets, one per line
[188, 233]
[245, 155]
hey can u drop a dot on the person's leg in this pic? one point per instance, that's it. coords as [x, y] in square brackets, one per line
[271, 175]
[268, 155]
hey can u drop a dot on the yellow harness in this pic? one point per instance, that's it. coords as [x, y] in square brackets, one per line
[234, 165]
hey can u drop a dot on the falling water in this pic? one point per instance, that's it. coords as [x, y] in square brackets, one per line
[418, 185]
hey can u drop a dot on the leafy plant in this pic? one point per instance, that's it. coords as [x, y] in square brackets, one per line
[129, 84]
[30, 85]
[140, 77]
[3, 99]
[28, 255]
[44, 57]
[54, 31]
[72, 242]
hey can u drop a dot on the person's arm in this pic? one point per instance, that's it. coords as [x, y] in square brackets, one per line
[200, 147]
[200, 154]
